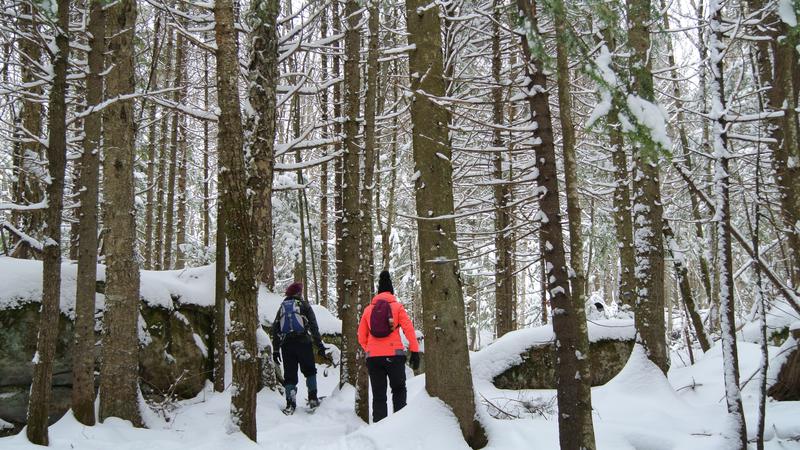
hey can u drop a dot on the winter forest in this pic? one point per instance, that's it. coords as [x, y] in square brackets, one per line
[589, 210]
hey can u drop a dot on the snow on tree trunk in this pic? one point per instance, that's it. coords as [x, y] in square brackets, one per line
[573, 387]
[737, 434]
[238, 227]
[647, 209]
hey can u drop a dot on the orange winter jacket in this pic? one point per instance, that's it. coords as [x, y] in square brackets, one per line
[390, 345]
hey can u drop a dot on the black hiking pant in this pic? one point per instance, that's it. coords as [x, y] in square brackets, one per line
[380, 369]
[298, 353]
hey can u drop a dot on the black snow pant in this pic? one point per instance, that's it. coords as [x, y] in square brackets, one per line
[380, 368]
[298, 353]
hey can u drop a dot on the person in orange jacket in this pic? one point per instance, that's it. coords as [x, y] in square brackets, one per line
[379, 336]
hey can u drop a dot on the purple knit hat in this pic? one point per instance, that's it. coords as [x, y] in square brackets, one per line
[294, 289]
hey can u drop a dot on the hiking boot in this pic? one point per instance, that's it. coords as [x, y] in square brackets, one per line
[313, 400]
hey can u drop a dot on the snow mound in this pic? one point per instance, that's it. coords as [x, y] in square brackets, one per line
[21, 283]
[779, 316]
[507, 351]
[426, 422]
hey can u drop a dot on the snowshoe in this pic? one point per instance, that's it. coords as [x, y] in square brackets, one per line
[288, 410]
[312, 404]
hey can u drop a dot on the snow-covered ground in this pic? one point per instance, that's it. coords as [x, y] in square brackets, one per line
[639, 409]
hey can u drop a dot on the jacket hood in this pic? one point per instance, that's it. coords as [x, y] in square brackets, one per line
[388, 296]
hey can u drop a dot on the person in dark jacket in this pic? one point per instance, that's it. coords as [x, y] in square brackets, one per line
[294, 330]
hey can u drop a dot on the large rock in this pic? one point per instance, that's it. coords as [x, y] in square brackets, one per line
[537, 369]
[173, 356]
[786, 386]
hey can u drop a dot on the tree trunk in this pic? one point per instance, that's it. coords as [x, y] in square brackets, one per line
[349, 278]
[83, 394]
[503, 283]
[151, 151]
[365, 240]
[682, 275]
[777, 63]
[686, 154]
[119, 371]
[39, 401]
[323, 182]
[176, 140]
[338, 168]
[263, 75]
[26, 188]
[563, 35]
[733, 395]
[647, 209]
[220, 303]
[575, 426]
[448, 373]
[206, 166]
[180, 235]
[158, 250]
[242, 276]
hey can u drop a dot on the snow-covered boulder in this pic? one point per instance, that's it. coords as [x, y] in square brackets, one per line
[525, 359]
[784, 369]
[175, 332]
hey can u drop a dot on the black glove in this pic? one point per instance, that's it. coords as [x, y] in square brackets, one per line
[414, 360]
[323, 351]
[276, 356]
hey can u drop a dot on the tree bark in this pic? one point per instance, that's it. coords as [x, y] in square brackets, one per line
[151, 152]
[220, 302]
[575, 426]
[338, 166]
[503, 275]
[682, 274]
[349, 278]
[163, 164]
[26, 188]
[83, 393]
[263, 75]
[119, 371]
[777, 62]
[733, 395]
[448, 373]
[647, 209]
[705, 275]
[241, 275]
[176, 140]
[39, 401]
[323, 182]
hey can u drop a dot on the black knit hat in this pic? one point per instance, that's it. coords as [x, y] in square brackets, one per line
[385, 283]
